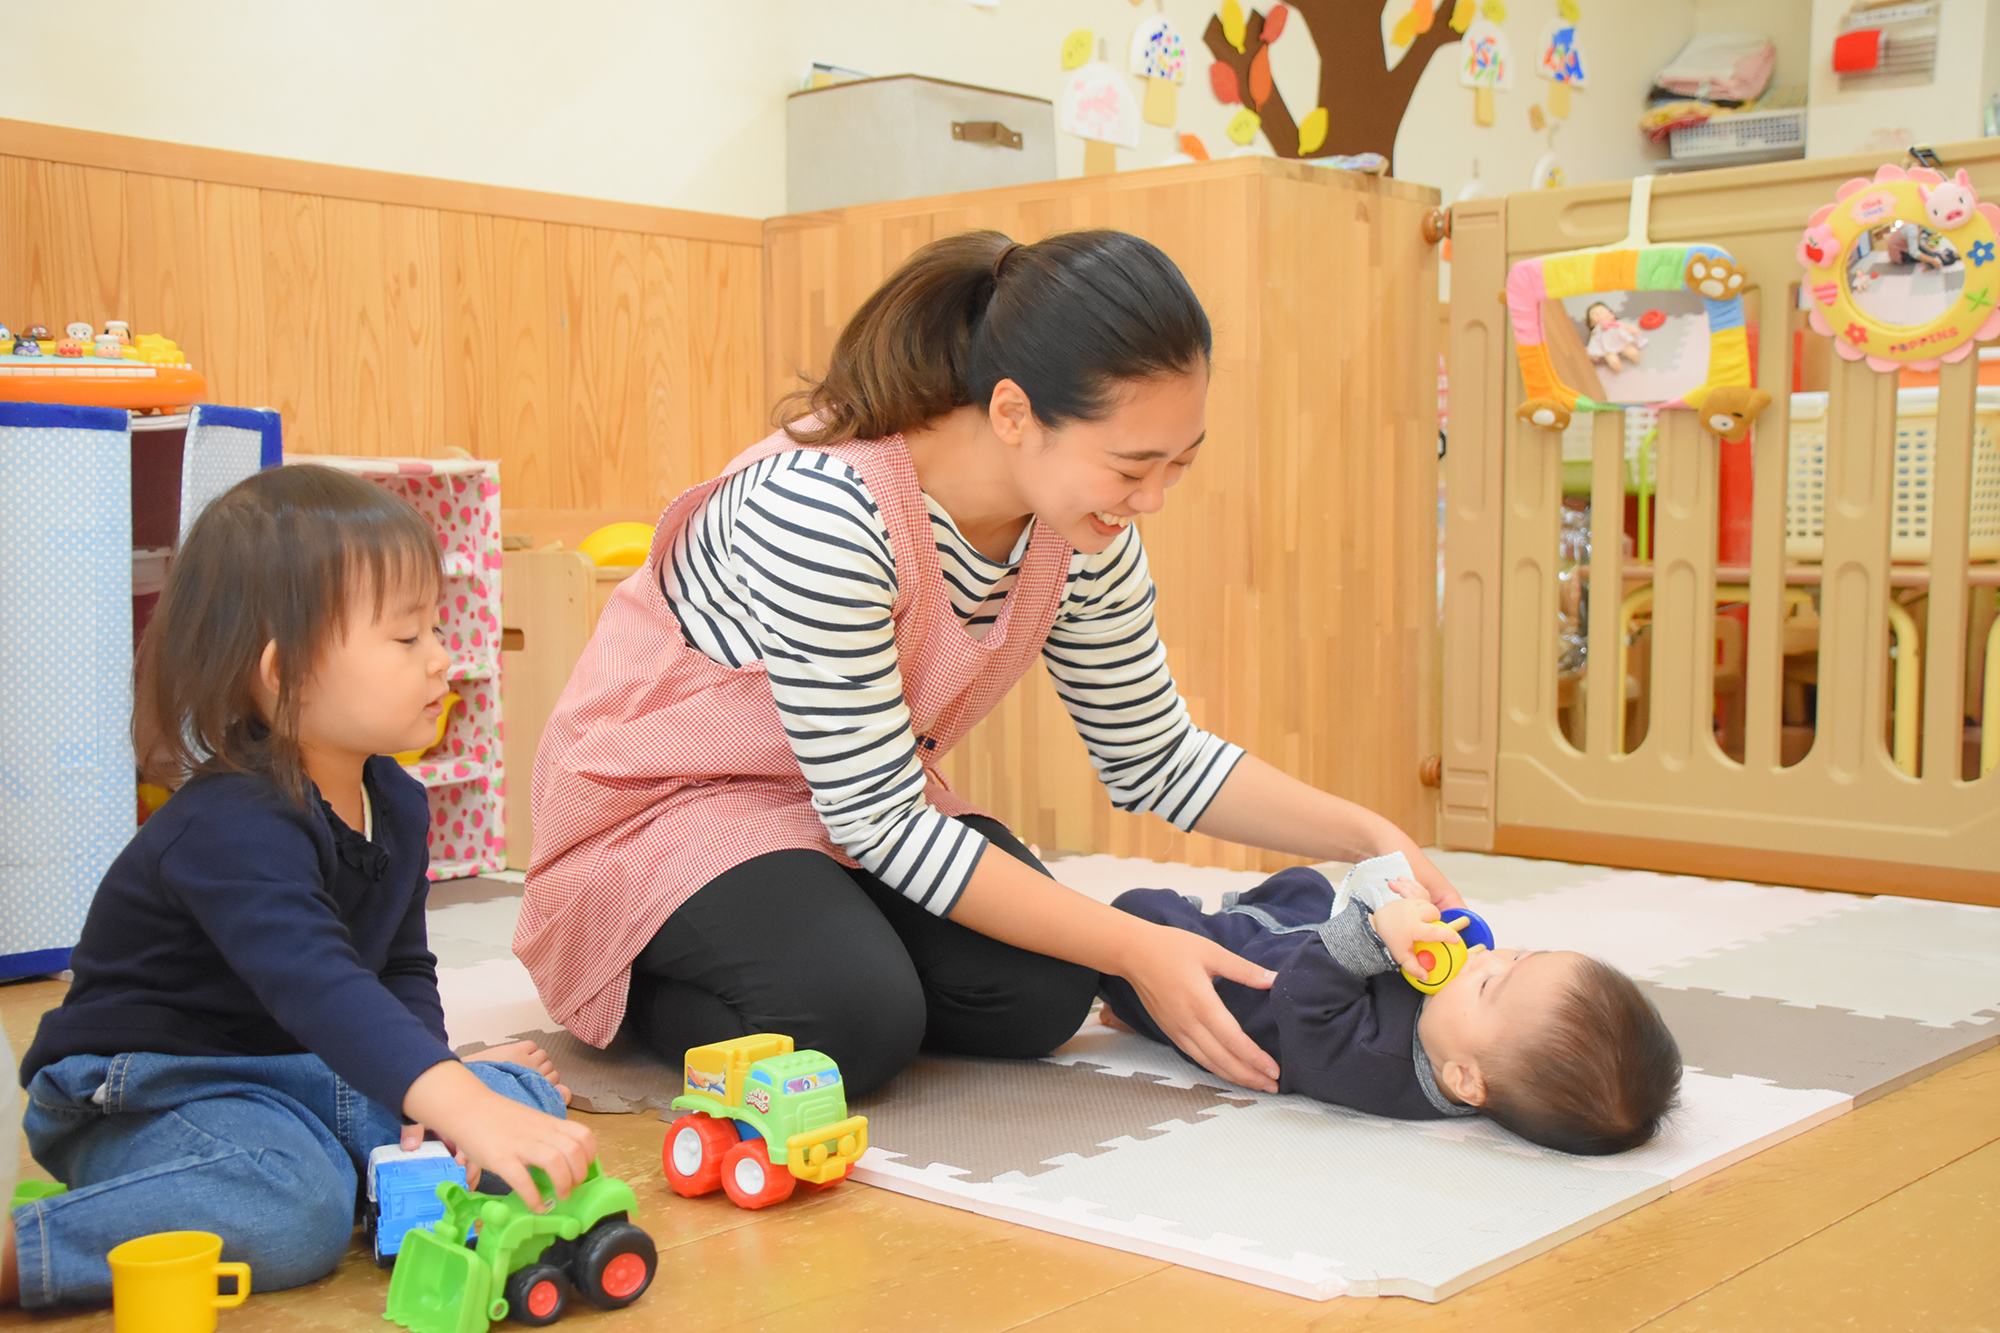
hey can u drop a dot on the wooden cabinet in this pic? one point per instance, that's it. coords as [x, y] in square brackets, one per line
[1297, 561]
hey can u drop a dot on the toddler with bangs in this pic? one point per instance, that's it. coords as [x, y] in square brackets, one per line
[1557, 1047]
[254, 1006]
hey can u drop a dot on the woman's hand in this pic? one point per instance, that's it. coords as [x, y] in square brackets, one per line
[1436, 887]
[502, 1136]
[1404, 922]
[1174, 973]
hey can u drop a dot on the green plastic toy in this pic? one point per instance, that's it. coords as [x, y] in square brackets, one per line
[760, 1117]
[522, 1263]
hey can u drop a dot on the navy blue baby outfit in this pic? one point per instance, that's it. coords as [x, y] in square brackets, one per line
[1341, 1021]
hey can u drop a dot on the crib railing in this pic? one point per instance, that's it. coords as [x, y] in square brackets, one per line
[1847, 814]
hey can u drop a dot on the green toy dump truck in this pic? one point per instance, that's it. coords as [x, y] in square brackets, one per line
[761, 1116]
[521, 1264]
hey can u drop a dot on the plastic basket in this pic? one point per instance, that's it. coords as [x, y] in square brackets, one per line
[1910, 524]
[1745, 132]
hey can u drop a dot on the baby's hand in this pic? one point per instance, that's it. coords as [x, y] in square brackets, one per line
[1404, 922]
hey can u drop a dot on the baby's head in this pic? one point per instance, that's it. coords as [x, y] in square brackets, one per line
[1598, 315]
[281, 570]
[1559, 1048]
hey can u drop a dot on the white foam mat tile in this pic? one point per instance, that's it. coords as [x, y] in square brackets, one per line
[1641, 923]
[1105, 877]
[1718, 1121]
[1499, 879]
[462, 934]
[1937, 963]
[490, 1001]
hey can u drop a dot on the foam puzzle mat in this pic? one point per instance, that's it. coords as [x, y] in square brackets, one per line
[1790, 1006]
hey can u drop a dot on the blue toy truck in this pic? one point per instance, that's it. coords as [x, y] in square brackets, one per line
[402, 1194]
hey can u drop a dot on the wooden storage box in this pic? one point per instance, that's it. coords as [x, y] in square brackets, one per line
[875, 140]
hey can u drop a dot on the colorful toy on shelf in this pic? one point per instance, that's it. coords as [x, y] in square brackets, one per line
[525, 1262]
[402, 1194]
[445, 705]
[761, 1116]
[1444, 960]
[618, 544]
[139, 374]
[166, 1283]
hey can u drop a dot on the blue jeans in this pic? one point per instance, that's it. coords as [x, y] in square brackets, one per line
[265, 1151]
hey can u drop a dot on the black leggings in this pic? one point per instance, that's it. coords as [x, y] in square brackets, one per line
[794, 942]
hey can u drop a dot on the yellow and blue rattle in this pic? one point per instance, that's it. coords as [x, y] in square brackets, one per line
[1445, 959]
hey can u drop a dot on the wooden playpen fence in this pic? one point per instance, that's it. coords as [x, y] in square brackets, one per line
[1892, 794]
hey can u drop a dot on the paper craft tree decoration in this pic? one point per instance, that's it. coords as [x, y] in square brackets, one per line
[1361, 90]
[1098, 107]
[1561, 64]
[1160, 58]
[1486, 62]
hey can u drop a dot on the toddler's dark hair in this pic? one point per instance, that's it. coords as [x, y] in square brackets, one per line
[1600, 1076]
[278, 558]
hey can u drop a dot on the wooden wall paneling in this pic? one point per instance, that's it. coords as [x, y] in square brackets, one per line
[163, 268]
[357, 310]
[469, 338]
[672, 390]
[17, 175]
[294, 243]
[231, 284]
[731, 408]
[413, 331]
[530, 434]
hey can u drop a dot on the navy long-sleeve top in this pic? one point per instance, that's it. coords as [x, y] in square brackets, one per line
[237, 923]
[1340, 1021]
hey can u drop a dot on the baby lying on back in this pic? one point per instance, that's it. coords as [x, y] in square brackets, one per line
[1557, 1047]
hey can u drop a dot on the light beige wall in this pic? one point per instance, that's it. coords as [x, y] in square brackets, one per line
[1788, 23]
[1882, 121]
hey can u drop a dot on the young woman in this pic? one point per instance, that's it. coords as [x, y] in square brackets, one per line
[739, 823]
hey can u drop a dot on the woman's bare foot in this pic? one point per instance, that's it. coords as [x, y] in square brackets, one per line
[528, 1056]
[1111, 1020]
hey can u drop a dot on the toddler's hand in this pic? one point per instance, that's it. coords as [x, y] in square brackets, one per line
[1404, 922]
[503, 1136]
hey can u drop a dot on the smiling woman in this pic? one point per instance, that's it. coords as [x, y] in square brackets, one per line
[740, 822]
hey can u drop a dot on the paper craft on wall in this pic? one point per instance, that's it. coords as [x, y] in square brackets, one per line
[1901, 269]
[1243, 127]
[1634, 324]
[1160, 58]
[1098, 107]
[1486, 62]
[1561, 63]
[1076, 48]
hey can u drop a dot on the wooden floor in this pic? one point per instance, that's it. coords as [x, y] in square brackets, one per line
[1884, 1219]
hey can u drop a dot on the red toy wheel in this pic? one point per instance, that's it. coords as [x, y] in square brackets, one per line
[750, 1179]
[693, 1153]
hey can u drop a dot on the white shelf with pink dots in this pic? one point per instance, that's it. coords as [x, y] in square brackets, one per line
[464, 771]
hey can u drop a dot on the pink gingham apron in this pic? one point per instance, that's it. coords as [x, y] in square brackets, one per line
[661, 768]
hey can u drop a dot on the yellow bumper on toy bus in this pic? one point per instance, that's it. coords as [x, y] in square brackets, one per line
[821, 1156]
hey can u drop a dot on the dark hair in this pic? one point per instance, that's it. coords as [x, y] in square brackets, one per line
[1068, 319]
[1600, 1076]
[279, 557]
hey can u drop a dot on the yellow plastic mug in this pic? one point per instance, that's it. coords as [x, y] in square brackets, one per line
[166, 1283]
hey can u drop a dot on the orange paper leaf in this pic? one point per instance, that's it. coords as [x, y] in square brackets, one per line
[1274, 23]
[1192, 145]
[1260, 78]
[1223, 80]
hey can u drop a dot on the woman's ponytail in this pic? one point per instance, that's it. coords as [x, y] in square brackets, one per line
[1067, 318]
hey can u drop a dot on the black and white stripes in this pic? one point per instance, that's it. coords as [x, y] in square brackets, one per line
[789, 562]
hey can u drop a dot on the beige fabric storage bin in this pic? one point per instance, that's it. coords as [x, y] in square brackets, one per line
[905, 137]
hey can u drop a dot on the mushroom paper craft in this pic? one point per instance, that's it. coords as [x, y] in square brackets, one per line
[1160, 58]
[1486, 63]
[1097, 104]
[1561, 64]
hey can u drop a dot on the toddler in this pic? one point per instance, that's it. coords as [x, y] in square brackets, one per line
[254, 1007]
[1556, 1047]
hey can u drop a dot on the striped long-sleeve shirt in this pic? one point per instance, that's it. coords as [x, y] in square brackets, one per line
[789, 563]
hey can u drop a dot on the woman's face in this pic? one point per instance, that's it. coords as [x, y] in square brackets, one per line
[1089, 479]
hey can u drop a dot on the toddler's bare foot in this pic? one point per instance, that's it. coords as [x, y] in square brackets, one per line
[1111, 1020]
[528, 1056]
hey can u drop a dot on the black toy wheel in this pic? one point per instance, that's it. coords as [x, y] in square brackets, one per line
[536, 1295]
[614, 1263]
[371, 1215]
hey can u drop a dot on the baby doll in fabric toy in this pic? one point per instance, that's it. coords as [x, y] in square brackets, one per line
[1612, 339]
[1559, 1048]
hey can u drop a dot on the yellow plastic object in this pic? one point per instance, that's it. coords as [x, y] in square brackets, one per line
[153, 796]
[450, 702]
[1443, 969]
[619, 544]
[716, 1070]
[820, 1156]
[166, 1283]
